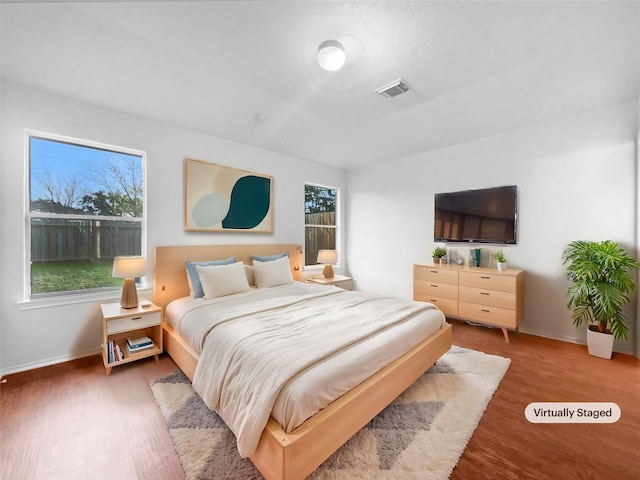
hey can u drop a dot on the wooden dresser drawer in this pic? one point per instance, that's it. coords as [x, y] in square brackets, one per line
[484, 296]
[437, 289]
[479, 294]
[435, 274]
[492, 281]
[445, 305]
[125, 324]
[488, 314]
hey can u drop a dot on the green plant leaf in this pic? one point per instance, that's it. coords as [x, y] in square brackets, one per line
[600, 281]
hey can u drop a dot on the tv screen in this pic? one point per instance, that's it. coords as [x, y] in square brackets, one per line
[487, 215]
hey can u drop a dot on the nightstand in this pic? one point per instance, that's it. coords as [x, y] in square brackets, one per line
[337, 280]
[119, 323]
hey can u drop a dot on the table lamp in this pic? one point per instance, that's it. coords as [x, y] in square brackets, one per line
[328, 258]
[129, 268]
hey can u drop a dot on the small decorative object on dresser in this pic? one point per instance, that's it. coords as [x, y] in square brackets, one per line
[130, 334]
[501, 260]
[437, 254]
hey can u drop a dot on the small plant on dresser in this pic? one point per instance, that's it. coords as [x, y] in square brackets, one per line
[438, 253]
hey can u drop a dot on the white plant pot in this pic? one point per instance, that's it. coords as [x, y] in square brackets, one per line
[501, 265]
[599, 344]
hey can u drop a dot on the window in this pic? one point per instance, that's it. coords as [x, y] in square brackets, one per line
[85, 206]
[321, 226]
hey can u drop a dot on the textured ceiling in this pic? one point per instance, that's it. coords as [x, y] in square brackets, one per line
[475, 68]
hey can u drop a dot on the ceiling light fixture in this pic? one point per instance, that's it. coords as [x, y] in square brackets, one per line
[331, 56]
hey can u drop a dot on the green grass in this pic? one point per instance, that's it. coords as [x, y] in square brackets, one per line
[70, 276]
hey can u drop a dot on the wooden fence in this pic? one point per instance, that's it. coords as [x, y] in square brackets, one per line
[62, 240]
[322, 238]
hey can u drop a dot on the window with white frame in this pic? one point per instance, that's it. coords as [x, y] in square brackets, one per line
[321, 224]
[85, 206]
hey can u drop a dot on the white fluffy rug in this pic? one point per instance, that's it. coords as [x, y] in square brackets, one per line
[421, 435]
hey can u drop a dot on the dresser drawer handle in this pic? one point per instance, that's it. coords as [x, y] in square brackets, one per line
[484, 293]
[136, 318]
[485, 278]
[434, 286]
[433, 300]
[434, 271]
[485, 310]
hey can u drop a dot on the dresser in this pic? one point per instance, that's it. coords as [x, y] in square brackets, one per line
[483, 295]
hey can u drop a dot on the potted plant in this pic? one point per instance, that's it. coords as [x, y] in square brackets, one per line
[437, 254]
[501, 260]
[600, 283]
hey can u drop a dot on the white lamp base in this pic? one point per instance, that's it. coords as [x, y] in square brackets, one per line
[129, 297]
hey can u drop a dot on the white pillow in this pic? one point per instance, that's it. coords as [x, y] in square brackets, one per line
[195, 288]
[251, 278]
[272, 273]
[221, 280]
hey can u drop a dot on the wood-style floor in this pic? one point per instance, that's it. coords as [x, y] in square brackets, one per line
[71, 421]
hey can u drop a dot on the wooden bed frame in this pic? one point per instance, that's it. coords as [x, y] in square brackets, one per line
[281, 455]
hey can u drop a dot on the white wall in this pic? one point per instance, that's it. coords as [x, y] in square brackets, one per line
[638, 230]
[31, 337]
[576, 180]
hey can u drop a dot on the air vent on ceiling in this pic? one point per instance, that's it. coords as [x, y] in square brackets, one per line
[393, 89]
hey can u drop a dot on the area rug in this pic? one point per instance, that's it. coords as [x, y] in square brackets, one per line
[421, 435]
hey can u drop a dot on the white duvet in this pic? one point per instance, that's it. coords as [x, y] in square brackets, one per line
[256, 344]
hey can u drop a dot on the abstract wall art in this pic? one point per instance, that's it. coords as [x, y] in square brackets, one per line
[219, 198]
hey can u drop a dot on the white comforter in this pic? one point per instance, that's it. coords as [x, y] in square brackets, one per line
[252, 349]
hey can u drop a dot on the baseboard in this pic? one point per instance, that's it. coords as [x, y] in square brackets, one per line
[48, 362]
[567, 339]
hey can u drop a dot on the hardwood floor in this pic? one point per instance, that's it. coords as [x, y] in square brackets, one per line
[72, 421]
[507, 446]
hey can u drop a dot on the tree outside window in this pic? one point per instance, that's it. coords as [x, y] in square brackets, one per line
[320, 206]
[86, 206]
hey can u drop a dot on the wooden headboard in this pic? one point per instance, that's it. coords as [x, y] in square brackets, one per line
[170, 275]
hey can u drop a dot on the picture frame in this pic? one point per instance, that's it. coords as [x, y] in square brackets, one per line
[219, 198]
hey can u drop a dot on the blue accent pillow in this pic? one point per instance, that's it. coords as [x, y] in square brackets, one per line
[194, 279]
[269, 258]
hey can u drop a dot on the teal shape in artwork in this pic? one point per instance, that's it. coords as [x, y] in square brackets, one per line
[250, 202]
[209, 210]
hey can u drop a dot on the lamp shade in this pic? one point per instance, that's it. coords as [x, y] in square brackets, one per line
[331, 56]
[129, 267]
[327, 257]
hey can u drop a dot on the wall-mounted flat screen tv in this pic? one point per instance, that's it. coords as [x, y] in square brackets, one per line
[485, 215]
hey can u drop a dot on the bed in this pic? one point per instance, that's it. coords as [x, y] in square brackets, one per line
[294, 451]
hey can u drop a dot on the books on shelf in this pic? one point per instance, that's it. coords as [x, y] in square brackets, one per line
[119, 352]
[135, 342]
[114, 352]
[132, 350]
[132, 345]
[139, 344]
